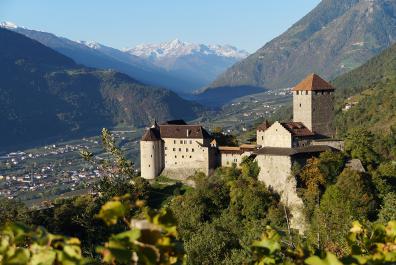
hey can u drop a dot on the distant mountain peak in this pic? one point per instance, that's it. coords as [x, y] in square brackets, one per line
[8, 25]
[91, 44]
[177, 48]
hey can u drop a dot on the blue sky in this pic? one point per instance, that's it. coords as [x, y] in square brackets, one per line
[247, 24]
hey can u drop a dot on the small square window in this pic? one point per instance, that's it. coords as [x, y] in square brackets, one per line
[190, 156]
[174, 149]
[185, 141]
[166, 148]
[181, 141]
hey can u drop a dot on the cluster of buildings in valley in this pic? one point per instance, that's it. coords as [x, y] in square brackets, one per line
[178, 150]
[38, 171]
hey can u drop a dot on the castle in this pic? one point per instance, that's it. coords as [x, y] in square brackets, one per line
[178, 150]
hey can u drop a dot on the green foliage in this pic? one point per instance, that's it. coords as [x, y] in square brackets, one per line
[351, 198]
[211, 215]
[249, 167]
[12, 211]
[388, 209]
[43, 249]
[152, 240]
[359, 144]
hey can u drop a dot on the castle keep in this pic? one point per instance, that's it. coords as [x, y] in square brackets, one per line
[178, 150]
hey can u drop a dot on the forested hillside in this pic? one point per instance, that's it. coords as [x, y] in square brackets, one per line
[370, 91]
[45, 94]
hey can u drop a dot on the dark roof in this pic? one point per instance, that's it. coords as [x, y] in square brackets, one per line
[184, 131]
[281, 151]
[313, 82]
[264, 126]
[151, 134]
[297, 129]
[175, 122]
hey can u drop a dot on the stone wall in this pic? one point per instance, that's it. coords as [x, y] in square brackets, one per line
[227, 159]
[302, 108]
[185, 156]
[277, 136]
[323, 113]
[275, 172]
[151, 159]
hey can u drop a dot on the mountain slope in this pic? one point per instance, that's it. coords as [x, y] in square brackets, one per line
[45, 94]
[335, 37]
[103, 57]
[371, 91]
[197, 62]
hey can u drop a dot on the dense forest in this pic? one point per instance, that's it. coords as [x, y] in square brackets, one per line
[227, 218]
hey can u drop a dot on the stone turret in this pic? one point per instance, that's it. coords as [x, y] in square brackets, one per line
[313, 105]
[151, 153]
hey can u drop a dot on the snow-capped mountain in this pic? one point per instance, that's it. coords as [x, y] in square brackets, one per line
[177, 48]
[199, 62]
[8, 25]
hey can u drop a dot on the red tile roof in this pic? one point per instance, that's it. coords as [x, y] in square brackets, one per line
[297, 129]
[313, 82]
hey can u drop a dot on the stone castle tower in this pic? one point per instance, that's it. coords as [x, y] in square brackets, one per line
[313, 105]
[151, 153]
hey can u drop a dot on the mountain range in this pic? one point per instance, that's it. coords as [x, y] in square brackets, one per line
[199, 62]
[182, 67]
[44, 94]
[334, 38]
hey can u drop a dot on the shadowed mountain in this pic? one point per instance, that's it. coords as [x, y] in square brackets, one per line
[44, 94]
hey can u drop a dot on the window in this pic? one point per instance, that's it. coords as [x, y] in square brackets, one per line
[300, 105]
[149, 165]
[186, 149]
[190, 156]
[166, 148]
[190, 142]
[306, 92]
[174, 149]
[182, 156]
[174, 141]
[151, 155]
[298, 93]
[185, 141]
[175, 156]
[262, 138]
[175, 163]
[192, 150]
[179, 149]
[181, 141]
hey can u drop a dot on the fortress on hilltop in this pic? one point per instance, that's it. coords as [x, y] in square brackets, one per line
[178, 150]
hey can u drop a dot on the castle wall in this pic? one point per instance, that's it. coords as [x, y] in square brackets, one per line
[277, 136]
[184, 157]
[302, 108]
[323, 113]
[227, 159]
[151, 159]
[275, 172]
